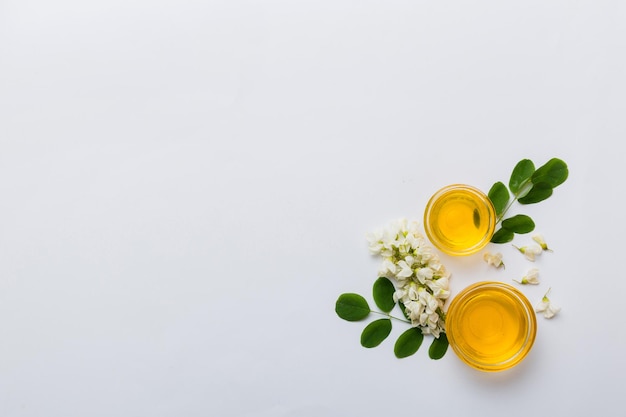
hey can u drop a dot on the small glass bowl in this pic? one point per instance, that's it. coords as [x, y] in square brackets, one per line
[491, 326]
[459, 219]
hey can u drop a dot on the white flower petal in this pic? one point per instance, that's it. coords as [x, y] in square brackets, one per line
[548, 308]
[375, 241]
[442, 294]
[531, 277]
[541, 241]
[412, 292]
[424, 274]
[533, 251]
[387, 269]
[542, 306]
[405, 270]
[551, 311]
[493, 259]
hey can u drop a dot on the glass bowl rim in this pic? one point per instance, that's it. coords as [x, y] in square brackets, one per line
[524, 348]
[484, 199]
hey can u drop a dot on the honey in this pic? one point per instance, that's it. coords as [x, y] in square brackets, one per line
[491, 326]
[459, 219]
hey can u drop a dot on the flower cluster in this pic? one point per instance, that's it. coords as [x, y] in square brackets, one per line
[422, 283]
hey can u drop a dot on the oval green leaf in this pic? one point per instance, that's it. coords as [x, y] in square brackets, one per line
[383, 294]
[553, 172]
[526, 187]
[521, 174]
[408, 343]
[499, 196]
[502, 236]
[438, 347]
[352, 307]
[538, 193]
[375, 332]
[520, 224]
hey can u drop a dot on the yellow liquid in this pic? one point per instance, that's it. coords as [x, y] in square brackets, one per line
[460, 220]
[491, 328]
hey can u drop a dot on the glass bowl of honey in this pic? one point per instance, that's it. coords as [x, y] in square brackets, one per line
[459, 219]
[491, 326]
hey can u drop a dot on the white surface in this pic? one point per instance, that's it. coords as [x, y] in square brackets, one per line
[186, 187]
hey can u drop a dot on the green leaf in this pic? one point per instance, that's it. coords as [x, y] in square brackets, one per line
[553, 172]
[438, 347]
[383, 294]
[375, 332]
[499, 196]
[502, 236]
[352, 307]
[519, 224]
[408, 343]
[520, 175]
[538, 193]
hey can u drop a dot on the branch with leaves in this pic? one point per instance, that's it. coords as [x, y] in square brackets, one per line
[410, 276]
[354, 307]
[527, 185]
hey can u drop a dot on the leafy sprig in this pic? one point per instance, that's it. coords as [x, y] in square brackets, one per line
[527, 185]
[354, 307]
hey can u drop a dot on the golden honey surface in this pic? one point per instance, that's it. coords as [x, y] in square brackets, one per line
[491, 327]
[459, 220]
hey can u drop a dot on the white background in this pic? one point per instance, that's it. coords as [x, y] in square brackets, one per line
[185, 187]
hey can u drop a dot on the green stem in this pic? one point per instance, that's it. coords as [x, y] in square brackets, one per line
[513, 200]
[390, 316]
[508, 206]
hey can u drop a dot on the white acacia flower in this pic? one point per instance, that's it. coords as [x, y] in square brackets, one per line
[531, 277]
[412, 241]
[397, 229]
[405, 270]
[421, 281]
[425, 253]
[435, 265]
[387, 269]
[405, 293]
[375, 241]
[424, 274]
[440, 288]
[432, 320]
[414, 309]
[434, 328]
[539, 239]
[400, 295]
[548, 308]
[530, 251]
[412, 292]
[414, 229]
[431, 303]
[495, 260]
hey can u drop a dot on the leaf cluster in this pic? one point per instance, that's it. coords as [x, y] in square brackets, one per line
[354, 307]
[527, 185]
